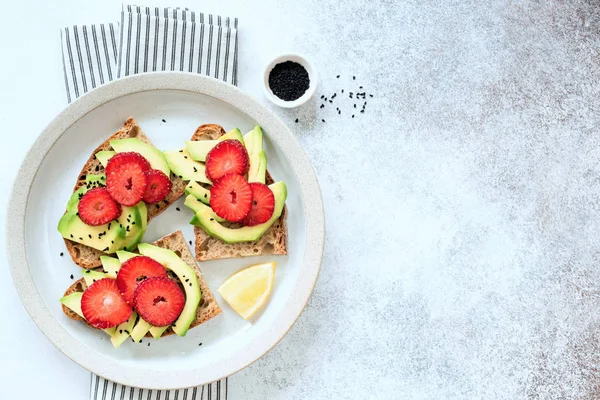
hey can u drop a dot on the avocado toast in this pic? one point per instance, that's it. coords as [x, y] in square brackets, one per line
[168, 251]
[209, 246]
[89, 257]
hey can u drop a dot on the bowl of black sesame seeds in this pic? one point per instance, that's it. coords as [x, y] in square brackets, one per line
[290, 80]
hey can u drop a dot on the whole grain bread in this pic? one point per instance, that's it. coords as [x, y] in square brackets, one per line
[88, 257]
[208, 307]
[274, 241]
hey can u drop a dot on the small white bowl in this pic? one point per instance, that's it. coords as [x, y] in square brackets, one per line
[312, 76]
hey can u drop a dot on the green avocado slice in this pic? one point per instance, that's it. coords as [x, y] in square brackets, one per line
[198, 192]
[111, 266]
[107, 238]
[150, 153]
[125, 255]
[139, 330]
[187, 277]
[253, 140]
[91, 276]
[123, 331]
[258, 167]
[184, 167]
[105, 155]
[196, 206]
[157, 331]
[205, 220]
[199, 149]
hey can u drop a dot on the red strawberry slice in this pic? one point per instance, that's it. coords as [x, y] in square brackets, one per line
[263, 205]
[158, 186]
[103, 306]
[134, 271]
[127, 183]
[159, 301]
[227, 157]
[97, 207]
[126, 157]
[231, 197]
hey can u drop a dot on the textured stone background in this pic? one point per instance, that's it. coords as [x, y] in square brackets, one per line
[462, 208]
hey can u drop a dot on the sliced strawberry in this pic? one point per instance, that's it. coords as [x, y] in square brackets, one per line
[103, 306]
[127, 183]
[227, 157]
[231, 197]
[158, 187]
[159, 301]
[134, 271]
[126, 157]
[263, 205]
[97, 207]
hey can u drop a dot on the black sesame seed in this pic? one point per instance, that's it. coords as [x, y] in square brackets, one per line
[362, 111]
[190, 242]
[296, 121]
[164, 120]
[109, 225]
[126, 331]
[352, 115]
[181, 151]
[337, 76]
[180, 177]
[339, 111]
[71, 235]
[148, 344]
[133, 223]
[322, 105]
[185, 157]
[190, 283]
[62, 254]
[71, 276]
[370, 95]
[187, 280]
[199, 199]
[112, 242]
[177, 208]
[195, 169]
[205, 195]
[360, 87]
[200, 344]
[331, 101]
[80, 238]
[157, 206]
[354, 78]
[93, 280]
[342, 90]
[355, 106]
[322, 96]
[325, 99]
[87, 271]
[323, 120]
[120, 330]
[212, 219]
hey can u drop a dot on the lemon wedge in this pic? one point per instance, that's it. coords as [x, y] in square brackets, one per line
[247, 290]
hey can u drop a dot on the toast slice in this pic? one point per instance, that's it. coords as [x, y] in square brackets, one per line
[208, 307]
[274, 241]
[88, 257]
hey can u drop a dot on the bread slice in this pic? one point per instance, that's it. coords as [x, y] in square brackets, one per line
[274, 241]
[88, 257]
[208, 307]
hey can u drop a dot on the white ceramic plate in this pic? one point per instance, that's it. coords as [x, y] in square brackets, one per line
[45, 182]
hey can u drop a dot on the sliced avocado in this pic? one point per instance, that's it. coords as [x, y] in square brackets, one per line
[105, 155]
[150, 153]
[90, 276]
[73, 302]
[123, 331]
[198, 149]
[157, 331]
[111, 266]
[205, 220]
[184, 167]
[253, 140]
[134, 220]
[107, 238]
[196, 205]
[258, 167]
[125, 255]
[186, 276]
[139, 330]
[198, 192]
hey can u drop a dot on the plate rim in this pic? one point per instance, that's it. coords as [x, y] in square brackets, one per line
[113, 370]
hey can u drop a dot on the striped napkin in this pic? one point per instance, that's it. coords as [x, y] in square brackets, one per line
[149, 39]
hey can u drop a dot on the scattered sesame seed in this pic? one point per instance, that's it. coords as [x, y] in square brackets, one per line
[190, 242]
[360, 87]
[362, 111]
[185, 157]
[212, 219]
[323, 120]
[371, 95]
[322, 96]
[354, 78]
[331, 101]
[355, 106]
[200, 344]
[352, 115]
[195, 169]
[148, 344]
[177, 208]
[181, 151]
[342, 90]
[322, 105]
[62, 254]
[71, 276]
[337, 76]
[296, 121]
[164, 120]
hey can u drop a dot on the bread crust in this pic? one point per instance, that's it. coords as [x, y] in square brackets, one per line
[274, 241]
[88, 257]
[208, 307]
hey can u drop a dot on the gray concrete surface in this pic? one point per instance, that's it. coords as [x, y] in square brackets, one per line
[462, 207]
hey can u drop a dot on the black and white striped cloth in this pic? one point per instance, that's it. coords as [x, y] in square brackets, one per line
[149, 39]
